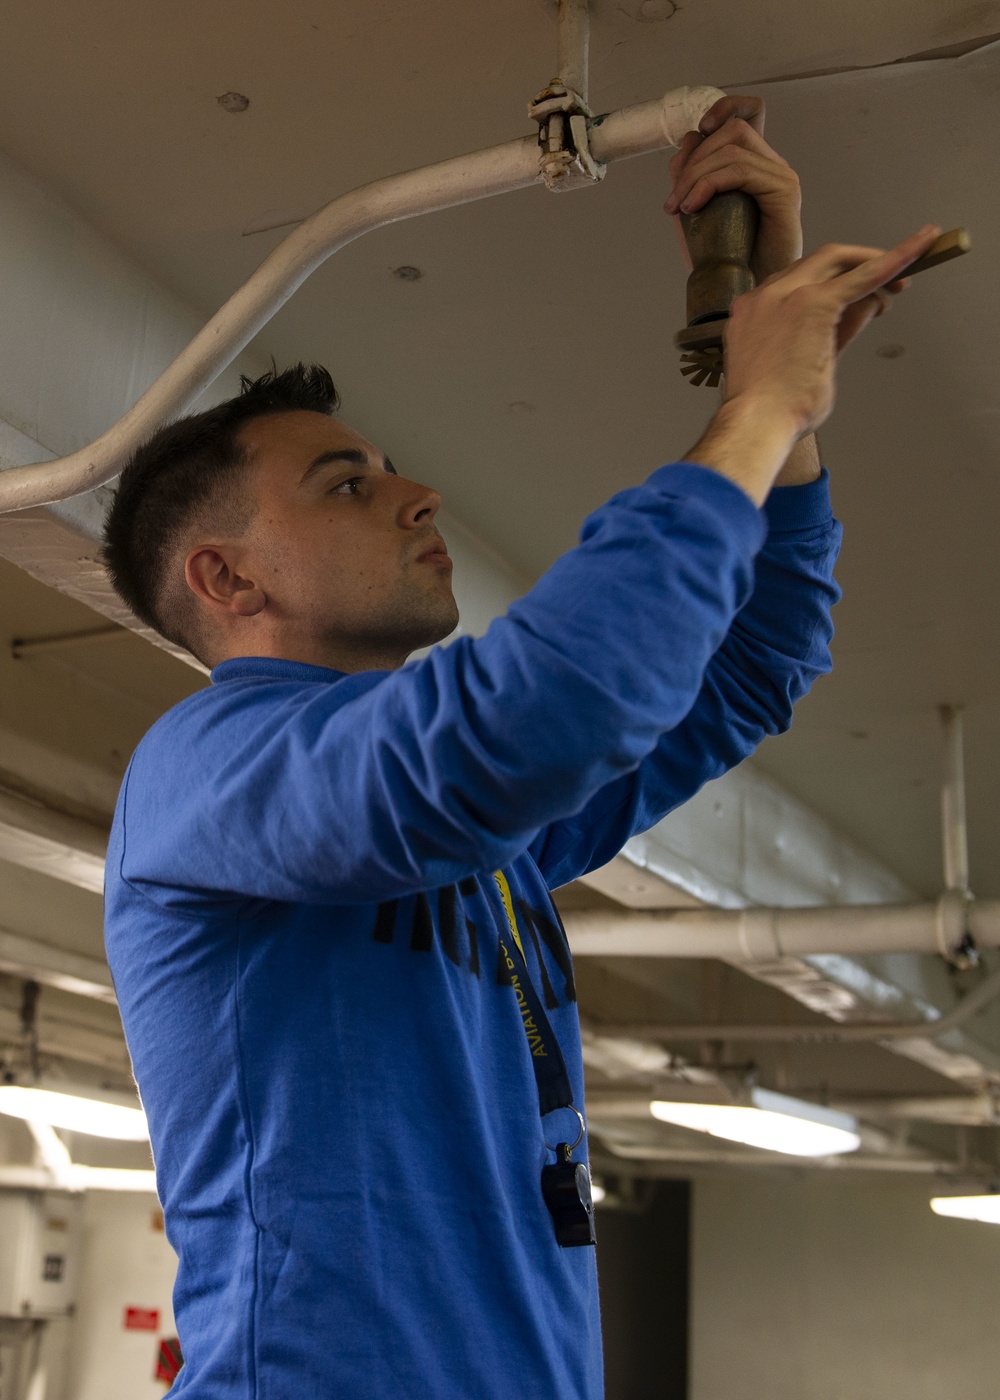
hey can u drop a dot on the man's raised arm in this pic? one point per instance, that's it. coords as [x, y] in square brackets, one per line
[382, 784]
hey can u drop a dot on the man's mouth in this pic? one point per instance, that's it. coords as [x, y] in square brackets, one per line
[435, 553]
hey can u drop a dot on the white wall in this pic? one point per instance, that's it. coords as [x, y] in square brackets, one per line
[126, 1262]
[811, 1288]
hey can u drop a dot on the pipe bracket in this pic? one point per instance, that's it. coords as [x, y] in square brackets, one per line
[564, 119]
[955, 943]
[757, 931]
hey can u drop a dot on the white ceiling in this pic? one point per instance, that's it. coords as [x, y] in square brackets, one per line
[564, 307]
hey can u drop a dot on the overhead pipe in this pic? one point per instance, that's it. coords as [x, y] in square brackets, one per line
[955, 927]
[764, 934]
[573, 52]
[954, 828]
[631, 131]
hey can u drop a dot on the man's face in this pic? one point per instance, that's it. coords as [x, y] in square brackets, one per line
[345, 550]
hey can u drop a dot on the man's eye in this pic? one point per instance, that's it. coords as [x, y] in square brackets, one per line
[347, 488]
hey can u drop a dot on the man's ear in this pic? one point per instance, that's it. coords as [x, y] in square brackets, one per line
[213, 578]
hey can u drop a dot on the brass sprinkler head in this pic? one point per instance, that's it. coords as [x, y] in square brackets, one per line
[720, 239]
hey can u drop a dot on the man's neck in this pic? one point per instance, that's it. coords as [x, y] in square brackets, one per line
[313, 651]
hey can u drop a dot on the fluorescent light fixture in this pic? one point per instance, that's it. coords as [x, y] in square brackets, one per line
[771, 1121]
[597, 1192]
[74, 1112]
[984, 1208]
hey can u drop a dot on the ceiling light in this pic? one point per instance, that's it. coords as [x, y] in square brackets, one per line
[771, 1121]
[985, 1208]
[75, 1112]
[597, 1192]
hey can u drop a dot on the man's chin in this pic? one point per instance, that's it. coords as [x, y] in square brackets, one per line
[412, 623]
[436, 630]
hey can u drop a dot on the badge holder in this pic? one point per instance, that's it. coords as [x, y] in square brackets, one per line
[566, 1189]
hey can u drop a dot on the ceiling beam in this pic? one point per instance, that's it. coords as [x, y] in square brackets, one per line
[36, 835]
[34, 961]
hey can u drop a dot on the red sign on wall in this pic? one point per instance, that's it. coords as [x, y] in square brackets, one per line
[142, 1320]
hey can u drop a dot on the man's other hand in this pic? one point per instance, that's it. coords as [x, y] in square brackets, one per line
[783, 339]
[729, 152]
[782, 342]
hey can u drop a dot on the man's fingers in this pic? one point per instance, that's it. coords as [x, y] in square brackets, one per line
[747, 109]
[730, 168]
[858, 269]
[691, 142]
[678, 169]
[735, 144]
[857, 316]
[878, 271]
[827, 262]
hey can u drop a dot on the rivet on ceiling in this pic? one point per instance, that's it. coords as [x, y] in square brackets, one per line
[233, 102]
[891, 352]
[406, 273]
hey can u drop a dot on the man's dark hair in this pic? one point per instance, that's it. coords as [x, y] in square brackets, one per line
[187, 469]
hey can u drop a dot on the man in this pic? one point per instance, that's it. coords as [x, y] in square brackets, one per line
[347, 994]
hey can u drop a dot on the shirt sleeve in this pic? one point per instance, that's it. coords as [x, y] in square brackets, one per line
[777, 646]
[360, 791]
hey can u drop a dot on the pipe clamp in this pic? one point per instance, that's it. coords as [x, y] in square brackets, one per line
[564, 119]
[954, 941]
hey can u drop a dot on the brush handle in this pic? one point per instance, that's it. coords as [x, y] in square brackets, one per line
[949, 245]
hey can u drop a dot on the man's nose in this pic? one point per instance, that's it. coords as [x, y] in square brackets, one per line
[419, 504]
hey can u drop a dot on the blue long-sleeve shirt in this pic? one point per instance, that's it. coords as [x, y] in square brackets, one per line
[304, 931]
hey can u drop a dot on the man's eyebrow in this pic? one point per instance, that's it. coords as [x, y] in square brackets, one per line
[350, 456]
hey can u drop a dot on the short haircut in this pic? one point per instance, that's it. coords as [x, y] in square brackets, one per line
[194, 469]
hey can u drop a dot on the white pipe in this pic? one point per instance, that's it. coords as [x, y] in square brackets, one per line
[953, 824]
[762, 935]
[52, 1151]
[57, 1170]
[651, 126]
[574, 45]
[79, 1178]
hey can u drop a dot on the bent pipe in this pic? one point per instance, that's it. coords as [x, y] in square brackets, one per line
[631, 131]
